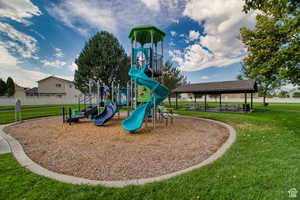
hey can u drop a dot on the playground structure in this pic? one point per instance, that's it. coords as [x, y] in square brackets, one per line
[144, 92]
[146, 69]
[108, 98]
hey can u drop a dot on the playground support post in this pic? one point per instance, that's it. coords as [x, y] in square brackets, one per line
[128, 100]
[63, 112]
[98, 94]
[79, 102]
[135, 88]
[70, 115]
[131, 94]
[112, 92]
[220, 101]
[176, 100]
[118, 100]
[135, 94]
[152, 76]
[90, 92]
[205, 106]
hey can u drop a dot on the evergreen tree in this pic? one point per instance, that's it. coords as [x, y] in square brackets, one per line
[3, 87]
[10, 87]
[102, 58]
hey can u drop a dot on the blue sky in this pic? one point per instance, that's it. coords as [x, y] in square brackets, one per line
[42, 38]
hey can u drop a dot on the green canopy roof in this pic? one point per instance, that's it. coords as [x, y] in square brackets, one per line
[143, 34]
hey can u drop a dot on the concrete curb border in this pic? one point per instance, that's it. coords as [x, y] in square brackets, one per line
[25, 161]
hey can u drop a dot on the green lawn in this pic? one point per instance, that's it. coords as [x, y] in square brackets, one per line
[11, 108]
[29, 112]
[263, 163]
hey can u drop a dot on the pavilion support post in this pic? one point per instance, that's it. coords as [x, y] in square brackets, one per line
[251, 104]
[195, 100]
[205, 107]
[176, 100]
[220, 101]
[245, 104]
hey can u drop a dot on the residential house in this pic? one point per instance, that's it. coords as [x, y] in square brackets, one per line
[294, 93]
[32, 92]
[19, 91]
[54, 86]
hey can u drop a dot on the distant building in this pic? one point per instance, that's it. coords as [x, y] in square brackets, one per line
[54, 86]
[19, 91]
[295, 93]
[32, 92]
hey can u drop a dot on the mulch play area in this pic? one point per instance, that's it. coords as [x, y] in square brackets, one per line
[110, 153]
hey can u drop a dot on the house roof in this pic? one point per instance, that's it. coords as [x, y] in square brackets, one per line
[61, 79]
[238, 86]
[20, 88]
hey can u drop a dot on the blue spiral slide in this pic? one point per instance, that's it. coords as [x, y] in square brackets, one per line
[109, 111]
[136, 118]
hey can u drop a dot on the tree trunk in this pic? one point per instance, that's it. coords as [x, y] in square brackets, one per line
[265, 103]
[169, 98]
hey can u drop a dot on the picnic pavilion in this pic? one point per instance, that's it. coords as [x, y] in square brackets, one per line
[218, 88]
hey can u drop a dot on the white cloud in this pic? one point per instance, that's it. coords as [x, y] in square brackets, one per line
[196, 58]
[24, 44]
[173, 33]
[204, 77]
[39, 34]
[82, 12]
[9, 66]
[193, 35]
[223, 20]
[152, 4]
[58, 53]
[172, 44]
[177, 56]
[73, 67]
[18, 10]
[55, 64]
[116, 15]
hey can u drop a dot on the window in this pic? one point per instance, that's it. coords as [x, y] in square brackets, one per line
[58, 85]
[71, 85]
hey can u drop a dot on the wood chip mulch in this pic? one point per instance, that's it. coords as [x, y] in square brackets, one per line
[110, 153]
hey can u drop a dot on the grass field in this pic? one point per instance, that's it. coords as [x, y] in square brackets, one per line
[7, 113]
[11, 108]
[263, 163]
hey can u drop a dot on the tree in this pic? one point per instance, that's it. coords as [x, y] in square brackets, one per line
[172, 78]
[10, 87]
[275, 41]
[102, 58]
[267, 81]
[283, 94]
[3, 87]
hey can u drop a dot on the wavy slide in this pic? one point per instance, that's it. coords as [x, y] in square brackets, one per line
[109, 111]
[136, 118]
